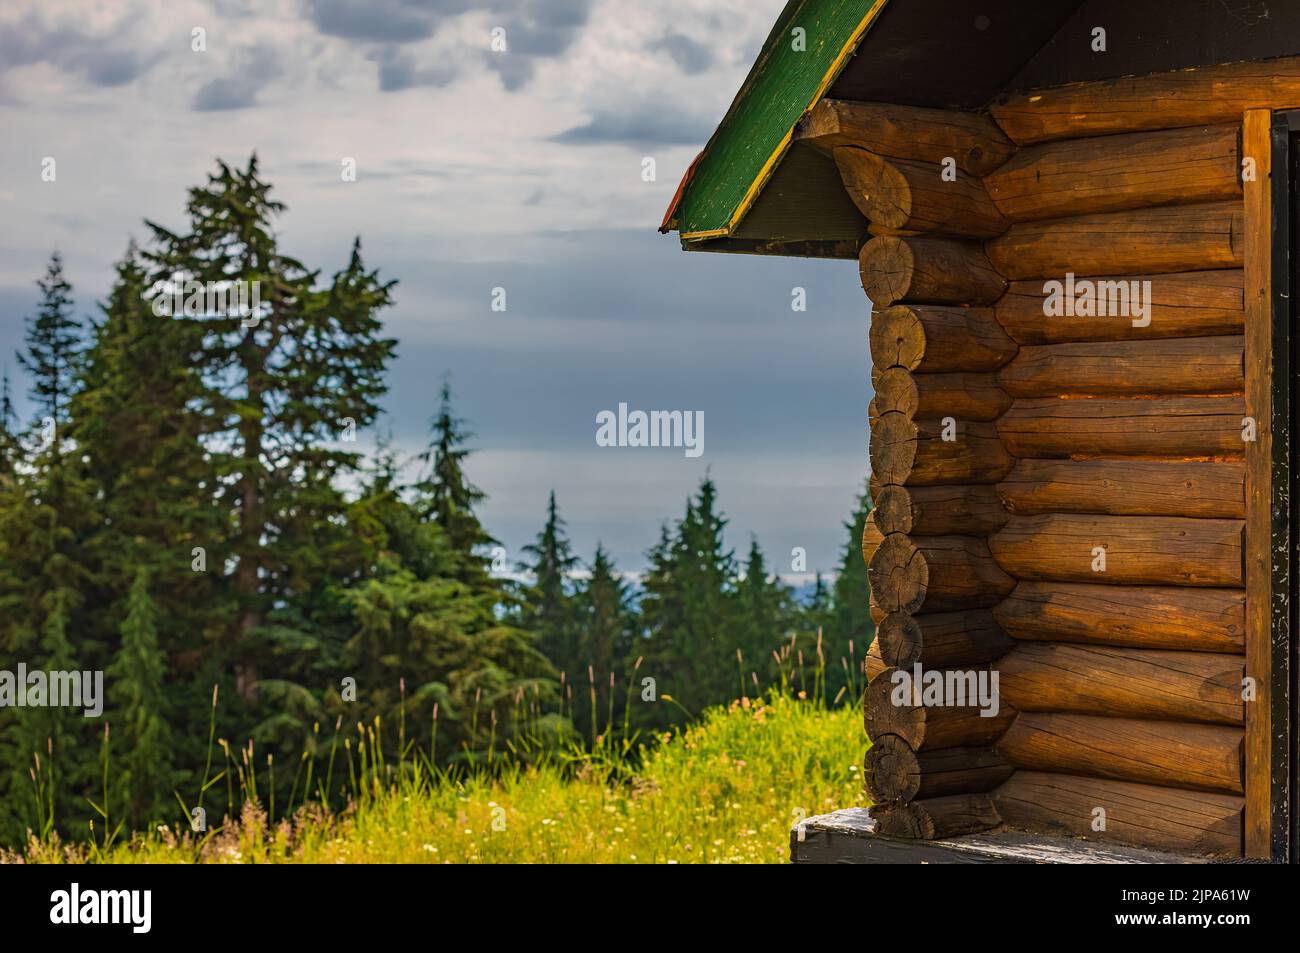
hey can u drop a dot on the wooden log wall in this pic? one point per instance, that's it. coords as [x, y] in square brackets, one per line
[1127, 502]
[1060, 489]
[937, 347]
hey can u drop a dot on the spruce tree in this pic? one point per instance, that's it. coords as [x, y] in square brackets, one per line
[765, 607]
[142, 739]
[284, 381]
[52, 345]
[48, 509]
[10, 450]
[606, 637]
[133, 424]
[818, 606]
[548, 602]
[446, 494]
[690, 611]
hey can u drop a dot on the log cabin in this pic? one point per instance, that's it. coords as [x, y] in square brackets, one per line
[1073, 221]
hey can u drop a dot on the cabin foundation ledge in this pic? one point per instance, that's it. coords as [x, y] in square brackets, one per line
[849, 837]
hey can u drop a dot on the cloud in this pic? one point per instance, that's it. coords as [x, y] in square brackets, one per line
[398, 70]
[691, 56]
[253, 68]
[641, 126]
[104, 58]
[382, 21]
[535, 30]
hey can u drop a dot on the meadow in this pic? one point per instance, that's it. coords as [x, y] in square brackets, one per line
[724, 790]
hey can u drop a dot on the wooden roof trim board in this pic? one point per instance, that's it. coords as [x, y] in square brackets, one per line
[868, 11]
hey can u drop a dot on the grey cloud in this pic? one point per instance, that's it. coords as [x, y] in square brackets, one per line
[112, 67]
[383, 21]
[253, 68]
[642, 127]
[398, 70]
[104, 60]
[691, 56]
[535, 29]
[234, 8]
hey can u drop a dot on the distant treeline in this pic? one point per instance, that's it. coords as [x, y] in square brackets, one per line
[174, 516]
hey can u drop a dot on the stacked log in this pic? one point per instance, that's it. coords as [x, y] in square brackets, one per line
[1059, 445]
[936, 459]
[1160, 817]
[1247, 96]
[1126, 530]
[1186, 304]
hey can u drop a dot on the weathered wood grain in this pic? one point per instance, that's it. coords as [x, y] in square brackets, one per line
[933, 339]
[1141, 814]
[895, 774]
[970, 510]
[1165, 239]
[973, 140]
[1182, 304]
[940, 640]
[1123, 683]
[1169, 753]
[1177, 427]
[935, 574]
[1149, 617]
[938, 817]
[1187, 97]
[913, 452]
[962, 395]
[1126, 488]
[1202, 365]
[907, 196]
[1260, 817]
[925, 728]
[927, 271]
[1117, 173]
[1134, 550]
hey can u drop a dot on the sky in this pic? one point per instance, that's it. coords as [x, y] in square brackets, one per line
[476, 169]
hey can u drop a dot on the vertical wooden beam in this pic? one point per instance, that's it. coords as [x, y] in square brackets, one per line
[1257, 147]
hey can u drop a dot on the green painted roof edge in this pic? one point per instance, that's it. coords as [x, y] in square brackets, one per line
[755, 132]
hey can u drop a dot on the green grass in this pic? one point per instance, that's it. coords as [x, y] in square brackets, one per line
[727, 790]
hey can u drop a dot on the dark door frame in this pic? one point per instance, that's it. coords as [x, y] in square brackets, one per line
[1285, 503]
